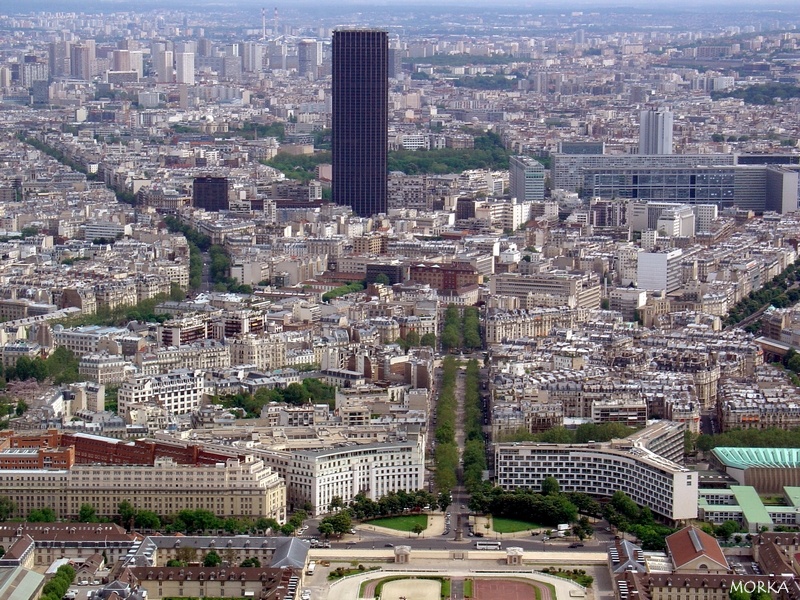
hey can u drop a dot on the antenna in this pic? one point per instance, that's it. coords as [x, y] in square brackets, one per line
[276, 20]
[263, 23]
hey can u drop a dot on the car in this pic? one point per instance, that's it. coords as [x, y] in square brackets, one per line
[463, 506]
[545, 538]
[326, 544]
[388, 545]
[576, 545]
[352, 531]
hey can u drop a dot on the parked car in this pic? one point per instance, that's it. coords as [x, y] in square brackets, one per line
[576, 545]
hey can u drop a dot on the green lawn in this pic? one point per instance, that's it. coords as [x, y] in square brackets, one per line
[404, 523]
[503, 525]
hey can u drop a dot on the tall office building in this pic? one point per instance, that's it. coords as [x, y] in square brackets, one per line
[526, 178]
[210, 193]
[162, 63]
[184, 67]
[360, 120]
[655, 132]
[79, 60]
[59, 58]
[309, 57]
[121, 60]
[253, 57]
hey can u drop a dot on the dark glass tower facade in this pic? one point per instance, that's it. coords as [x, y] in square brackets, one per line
[360, 119]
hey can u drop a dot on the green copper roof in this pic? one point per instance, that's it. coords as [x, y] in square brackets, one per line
[743, 458]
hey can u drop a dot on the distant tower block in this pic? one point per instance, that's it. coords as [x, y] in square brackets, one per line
[655, 132]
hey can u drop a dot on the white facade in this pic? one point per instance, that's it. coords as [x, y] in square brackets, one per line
[374, 469]
[184, 66]
[677, 222]
[163, 64]
[660, 270]
[705, 214]
[665, 487]
[179, 392]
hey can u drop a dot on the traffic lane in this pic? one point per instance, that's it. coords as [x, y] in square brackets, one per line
[442, 542]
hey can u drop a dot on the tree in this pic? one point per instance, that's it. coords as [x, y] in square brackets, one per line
[250, 562]
[147, 519]
[382, 278]
[127, 514]
[429, 340]
[325, 528]
[266, 524]
[335, 503]
[42, 515]
[726, 529]
[8, 508]
[412, 339]
[340, 523]
[87, 514]
[443, 501]
[550, 486]
[418, 528]
[212, 559]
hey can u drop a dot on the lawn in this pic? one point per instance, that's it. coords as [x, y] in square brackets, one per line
[503, 525]
[404, 523]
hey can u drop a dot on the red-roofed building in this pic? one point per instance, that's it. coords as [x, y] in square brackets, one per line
[694, 551]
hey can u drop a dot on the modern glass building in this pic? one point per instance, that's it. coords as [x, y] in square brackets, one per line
[360, 120]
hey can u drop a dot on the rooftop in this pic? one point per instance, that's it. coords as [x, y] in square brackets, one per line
[744, 458]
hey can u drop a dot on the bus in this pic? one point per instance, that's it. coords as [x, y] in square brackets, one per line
[488, 545]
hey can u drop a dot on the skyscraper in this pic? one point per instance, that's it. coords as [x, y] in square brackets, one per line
[184, 67]
[309, 57]
[526, 178]
[210, 193]
[163, 64]
[655, 132]
[360, 120]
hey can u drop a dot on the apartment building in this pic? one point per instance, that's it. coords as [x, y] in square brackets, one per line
[267, 353]
[532, 323]
[317, 476]
[200, 355]
[665, 487]
[180, 391]
[235, 488]
[90, 339]
[558, 288]
[104, 368]
[447, 276]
